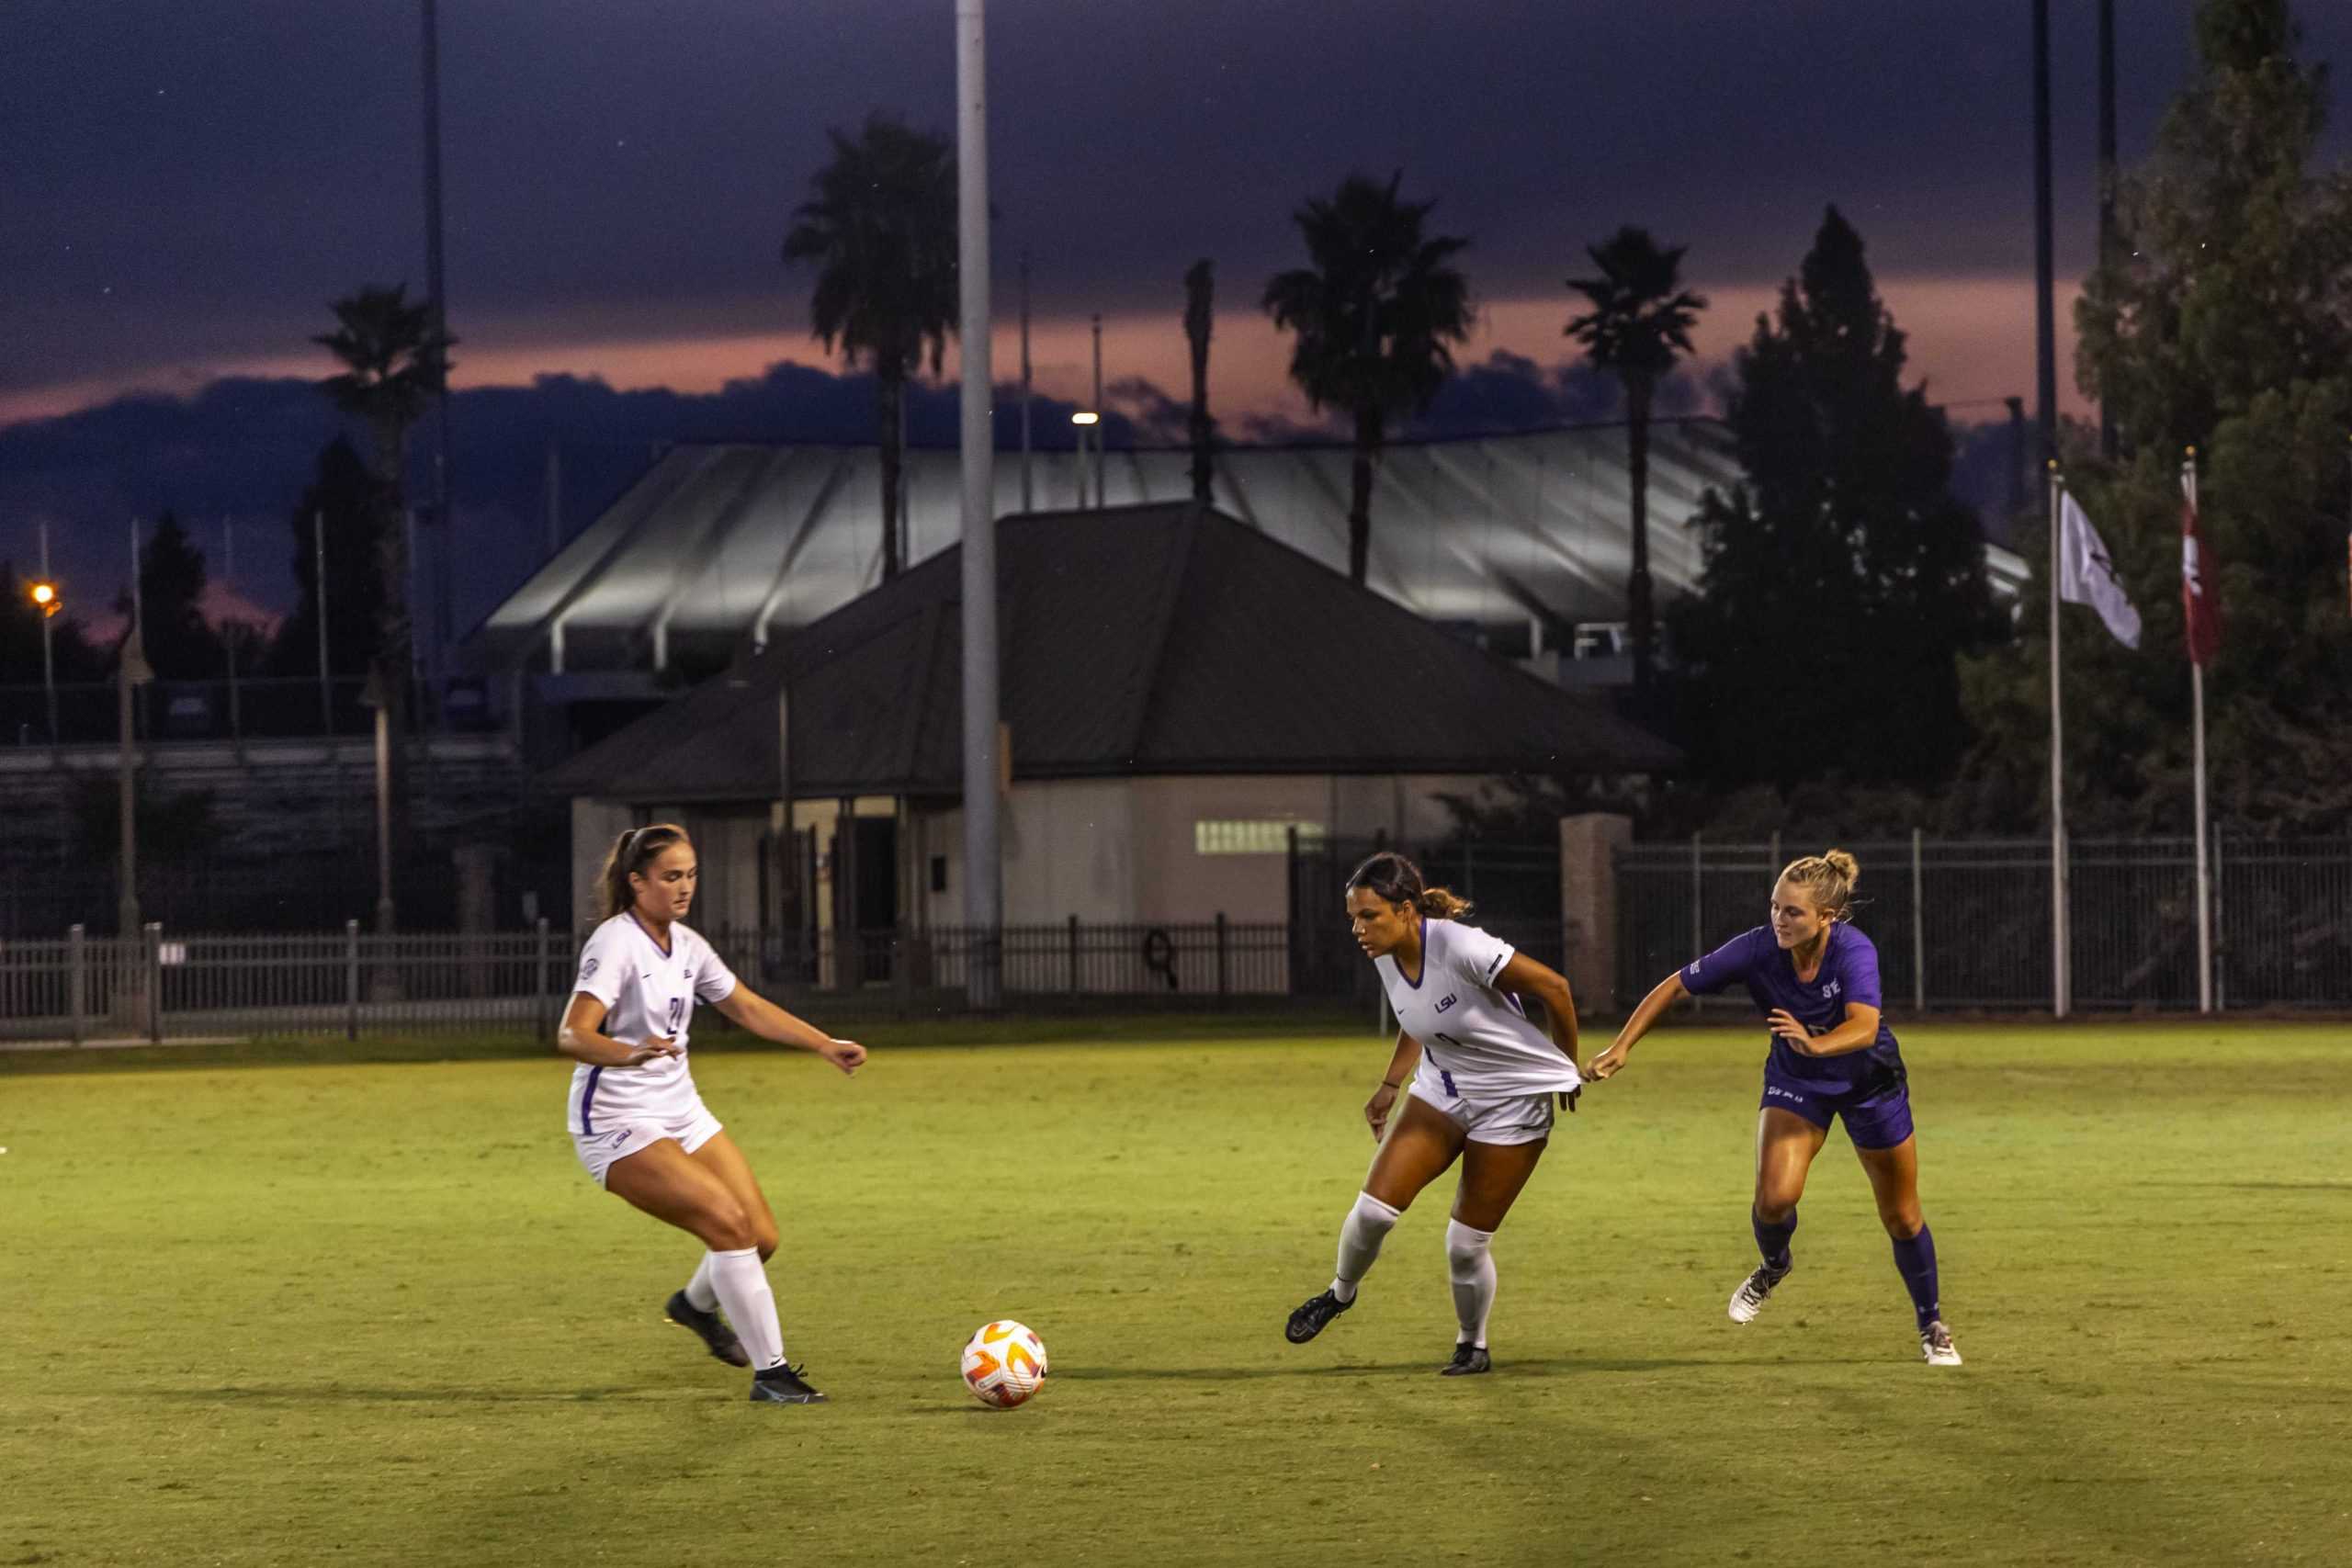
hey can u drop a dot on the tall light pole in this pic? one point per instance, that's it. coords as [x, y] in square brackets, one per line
[45, 595]
[130, 670]
[439, 300]
[2045, 328]
[2106, 442]
[1097, 406]
[375, 698]
[983, 871]
[1026, 502]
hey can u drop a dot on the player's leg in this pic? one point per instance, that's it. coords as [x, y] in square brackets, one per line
[1492, 1175]
[1894, 1171]
[1418, 1150]
[1786, 1141]
[696, 1306]
[666, 1181]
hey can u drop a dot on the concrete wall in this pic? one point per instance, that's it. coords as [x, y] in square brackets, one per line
[1125, 851]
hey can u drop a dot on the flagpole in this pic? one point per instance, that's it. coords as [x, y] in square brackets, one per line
[2196, 711]
[2061, 976]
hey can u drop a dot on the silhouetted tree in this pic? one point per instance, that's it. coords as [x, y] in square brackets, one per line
[881, 231]
[1199, 298]
[1843, 581]
[1640, 320]
[1375, 317]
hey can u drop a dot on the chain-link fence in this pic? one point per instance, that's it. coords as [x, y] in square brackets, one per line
[1966, 923]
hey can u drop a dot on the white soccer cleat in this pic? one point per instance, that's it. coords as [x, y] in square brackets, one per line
[1753, 1292]
[1935, 1344]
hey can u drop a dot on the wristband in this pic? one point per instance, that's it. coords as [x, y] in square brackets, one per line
[1386, 1083]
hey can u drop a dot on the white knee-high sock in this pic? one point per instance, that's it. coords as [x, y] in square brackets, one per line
[1472, 1266]
[701, 1294]
[740, 1280]
[1361, 1234]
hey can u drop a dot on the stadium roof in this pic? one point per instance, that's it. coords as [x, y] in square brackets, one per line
[727, 546]
[1135, 641]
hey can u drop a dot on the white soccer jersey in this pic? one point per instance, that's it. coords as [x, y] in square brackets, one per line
[647, 992]
[1475, 1043]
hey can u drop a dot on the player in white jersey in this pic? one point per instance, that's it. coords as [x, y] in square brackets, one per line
[1484, 1078]
[637, 1120]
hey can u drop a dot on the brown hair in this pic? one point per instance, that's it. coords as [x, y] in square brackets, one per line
[1392, 876]
[1829, 878]
[632, 852]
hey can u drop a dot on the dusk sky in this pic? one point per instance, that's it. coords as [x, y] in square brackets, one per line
[186, 186]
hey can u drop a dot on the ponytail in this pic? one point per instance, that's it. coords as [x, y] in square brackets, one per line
[630, 854]
[1393, 877]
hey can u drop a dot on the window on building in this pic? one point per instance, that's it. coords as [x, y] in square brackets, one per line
[1252, 835]
[939, 874]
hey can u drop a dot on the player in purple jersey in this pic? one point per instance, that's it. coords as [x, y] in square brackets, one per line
[1814, 978]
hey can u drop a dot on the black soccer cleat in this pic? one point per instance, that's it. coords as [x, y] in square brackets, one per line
[1469, 1360]
[1313, 1318]
[783, 1385]
[708, 1326]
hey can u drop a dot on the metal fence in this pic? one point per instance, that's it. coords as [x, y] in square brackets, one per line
[1966, 923]
[162, 986]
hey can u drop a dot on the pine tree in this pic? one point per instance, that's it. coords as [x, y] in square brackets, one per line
[1843, 580]
[343, 494]
[179, 645]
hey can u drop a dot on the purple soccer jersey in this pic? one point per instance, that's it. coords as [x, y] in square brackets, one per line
[1849, 974]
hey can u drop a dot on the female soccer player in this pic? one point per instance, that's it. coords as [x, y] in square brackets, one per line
[1816, 978]
[1483, 1081]
[639, 1125]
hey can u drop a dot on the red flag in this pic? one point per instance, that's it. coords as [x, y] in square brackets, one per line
[2199, 598]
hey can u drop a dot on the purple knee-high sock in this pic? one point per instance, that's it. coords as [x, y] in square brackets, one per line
[1772, 1241]
[1915, 1260]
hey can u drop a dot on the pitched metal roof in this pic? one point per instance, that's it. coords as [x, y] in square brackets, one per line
[1134, 641]
[734, 544]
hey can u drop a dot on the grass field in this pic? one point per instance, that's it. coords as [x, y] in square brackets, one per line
[311, 1314]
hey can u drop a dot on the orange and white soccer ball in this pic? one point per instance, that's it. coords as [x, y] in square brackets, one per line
[1005, 1363]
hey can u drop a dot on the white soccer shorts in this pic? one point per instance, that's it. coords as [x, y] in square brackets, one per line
[617, 1140]
[1512, 1119]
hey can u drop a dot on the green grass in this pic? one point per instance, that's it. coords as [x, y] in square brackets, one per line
[375, 1314]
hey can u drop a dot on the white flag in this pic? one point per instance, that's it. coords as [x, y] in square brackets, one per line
[2086, 575]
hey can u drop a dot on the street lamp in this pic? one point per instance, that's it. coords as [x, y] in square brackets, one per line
[1089, 423]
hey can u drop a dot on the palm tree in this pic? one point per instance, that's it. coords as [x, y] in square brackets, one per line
[1641, 319]
[1374, 315]
[881, 230]
[395, 366]
[1200, 305]
[396, 362]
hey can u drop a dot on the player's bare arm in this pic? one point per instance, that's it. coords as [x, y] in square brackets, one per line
[747, 1009]
[1523, 976]
[1401, 1063]
[1857, 1033]
[579, 1037]
[1663, 995]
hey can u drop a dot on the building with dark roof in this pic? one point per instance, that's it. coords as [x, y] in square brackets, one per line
[1180, 691]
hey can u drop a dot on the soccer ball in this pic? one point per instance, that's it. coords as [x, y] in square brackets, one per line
[1005, 1363]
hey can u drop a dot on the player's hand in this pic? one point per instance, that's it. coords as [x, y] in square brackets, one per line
[846, 1055]
[1605, 1065]
[1785, 1025]
[1376, 1109]
[655, 1046]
